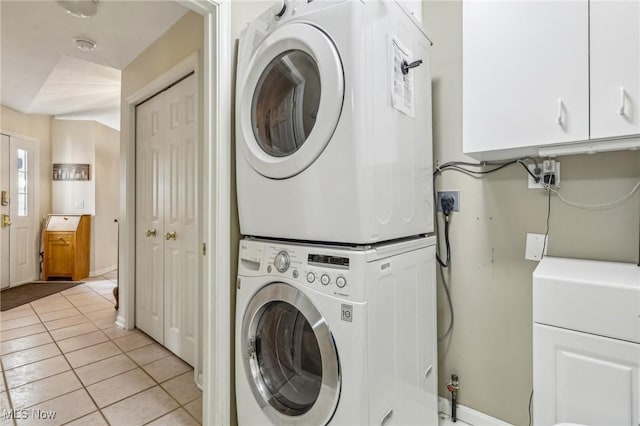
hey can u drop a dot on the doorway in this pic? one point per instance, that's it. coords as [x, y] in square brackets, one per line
[19, 234]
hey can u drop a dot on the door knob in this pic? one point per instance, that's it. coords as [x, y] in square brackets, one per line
[170, 236]
[151, 232]
[6, 220]
[4, 198]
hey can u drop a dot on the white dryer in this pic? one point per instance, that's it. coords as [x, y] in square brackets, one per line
[334, 335]
[333, 123]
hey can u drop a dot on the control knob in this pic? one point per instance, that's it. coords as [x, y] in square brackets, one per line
[282, 261]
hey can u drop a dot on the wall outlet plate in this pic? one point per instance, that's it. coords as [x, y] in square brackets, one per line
[535, 245]
[533, 185]
[456, 199]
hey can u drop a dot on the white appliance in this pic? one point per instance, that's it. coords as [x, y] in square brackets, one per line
[586, 342]
[336, 335]
[333, 138]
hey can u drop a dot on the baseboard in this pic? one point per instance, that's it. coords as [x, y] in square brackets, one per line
[120, 321]
[103, 271]
[469, 415]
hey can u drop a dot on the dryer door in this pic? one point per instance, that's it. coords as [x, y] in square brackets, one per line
[290, 357]
[290, 102]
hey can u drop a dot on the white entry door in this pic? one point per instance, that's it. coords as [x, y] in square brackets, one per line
[18, 218]
[167, 226]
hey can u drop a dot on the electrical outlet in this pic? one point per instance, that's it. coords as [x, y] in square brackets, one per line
[453, 194]
[551, 169]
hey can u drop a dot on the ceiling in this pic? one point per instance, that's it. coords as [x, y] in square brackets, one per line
[43, 72]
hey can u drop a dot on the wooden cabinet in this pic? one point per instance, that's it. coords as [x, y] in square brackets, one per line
[537, 74]
[67, 246]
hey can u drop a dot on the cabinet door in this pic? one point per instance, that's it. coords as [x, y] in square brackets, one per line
[584, 378]
[60, 253]
[615, 68]
[525, 74]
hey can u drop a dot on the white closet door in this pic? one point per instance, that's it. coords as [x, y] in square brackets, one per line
[167, 223]
[181, 264]
[150, 219]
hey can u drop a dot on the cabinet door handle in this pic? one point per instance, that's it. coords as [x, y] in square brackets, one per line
[560, 115]
[151, 232]
[623, 100]
[170, 236]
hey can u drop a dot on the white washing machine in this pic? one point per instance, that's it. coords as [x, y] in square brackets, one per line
[333, 138]
[336, 335]
[586, 342]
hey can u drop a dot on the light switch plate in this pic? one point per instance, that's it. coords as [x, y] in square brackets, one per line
[535, 244]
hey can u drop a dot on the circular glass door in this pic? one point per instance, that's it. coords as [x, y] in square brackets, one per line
[289, 101]
[290, 357]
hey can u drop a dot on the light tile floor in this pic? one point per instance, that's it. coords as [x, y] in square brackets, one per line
[64, 354]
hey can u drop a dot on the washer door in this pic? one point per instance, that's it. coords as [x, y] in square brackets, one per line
[291, 100]
[290, 357]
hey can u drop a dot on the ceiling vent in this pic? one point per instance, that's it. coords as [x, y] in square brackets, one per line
[84, 44]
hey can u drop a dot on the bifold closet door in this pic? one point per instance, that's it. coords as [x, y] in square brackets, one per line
[167, 234]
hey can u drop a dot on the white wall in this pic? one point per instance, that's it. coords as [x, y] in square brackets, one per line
[73, 142]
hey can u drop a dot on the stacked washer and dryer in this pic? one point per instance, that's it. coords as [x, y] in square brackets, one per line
[335, 305]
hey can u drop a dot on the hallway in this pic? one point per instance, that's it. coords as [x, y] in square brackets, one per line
[63, 354]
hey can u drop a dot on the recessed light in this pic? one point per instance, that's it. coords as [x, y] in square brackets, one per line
[84, 44]
[80, 8]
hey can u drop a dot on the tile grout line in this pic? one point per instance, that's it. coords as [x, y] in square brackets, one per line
[6, 389]
[77, 378]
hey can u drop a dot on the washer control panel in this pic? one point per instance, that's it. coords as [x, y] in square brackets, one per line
[326, 273]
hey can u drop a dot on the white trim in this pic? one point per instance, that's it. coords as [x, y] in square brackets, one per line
[103, 270]
[469, 415]
[216, 126]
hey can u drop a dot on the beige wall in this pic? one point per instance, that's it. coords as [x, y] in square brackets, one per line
[38, 127]
[107, 181]
[491, 347]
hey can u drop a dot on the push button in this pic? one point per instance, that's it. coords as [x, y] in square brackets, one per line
[311, 277]
[341, 282]
[324, 279]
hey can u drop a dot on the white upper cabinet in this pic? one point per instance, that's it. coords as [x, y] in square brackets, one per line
[542, 73]
[525, 74]
[615, 68]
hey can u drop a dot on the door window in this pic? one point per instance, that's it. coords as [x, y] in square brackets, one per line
[288, 358]
[285, 103]
[23, 187]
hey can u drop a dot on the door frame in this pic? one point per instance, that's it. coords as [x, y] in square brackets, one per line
[36, 201]
[215, 130]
